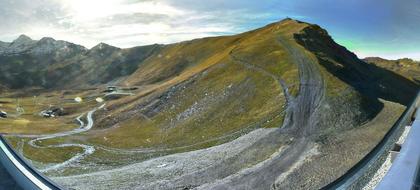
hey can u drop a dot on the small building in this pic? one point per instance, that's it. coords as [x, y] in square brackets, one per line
[48, 114]
[54, 112]
[3, 114]
[112, 88]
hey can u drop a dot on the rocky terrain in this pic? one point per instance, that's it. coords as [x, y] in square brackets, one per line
[280, 107]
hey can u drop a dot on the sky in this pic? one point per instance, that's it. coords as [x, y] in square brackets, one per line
[384, 28]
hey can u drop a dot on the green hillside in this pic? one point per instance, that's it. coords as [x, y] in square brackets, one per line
[306, 105]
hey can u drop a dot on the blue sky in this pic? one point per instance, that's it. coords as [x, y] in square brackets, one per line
[385, 28]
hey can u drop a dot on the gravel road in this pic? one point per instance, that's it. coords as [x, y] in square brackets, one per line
[222, 167]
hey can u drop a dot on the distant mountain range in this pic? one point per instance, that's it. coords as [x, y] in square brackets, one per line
[50, 63]
[288, 74]
[46, 46]
[407, 68]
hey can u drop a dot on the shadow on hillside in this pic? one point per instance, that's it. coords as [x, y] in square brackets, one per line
[368, 79]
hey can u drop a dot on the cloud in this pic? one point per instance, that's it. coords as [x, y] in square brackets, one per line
[17, 14]
[127, 23]
[131, 22]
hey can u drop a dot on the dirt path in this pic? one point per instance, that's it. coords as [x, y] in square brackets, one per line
[87, 149]
[300, 123]
[220, 167]
[161, 171]
[253, 67]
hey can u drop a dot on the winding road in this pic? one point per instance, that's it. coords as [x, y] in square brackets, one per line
[290, 143]
[270, 153]
[300, 122]
[87, 149]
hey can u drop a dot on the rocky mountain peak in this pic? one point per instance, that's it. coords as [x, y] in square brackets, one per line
[103, 49]
[103, 46]
[22, 39]
[21, 44]
[47, 40]
[47, 45]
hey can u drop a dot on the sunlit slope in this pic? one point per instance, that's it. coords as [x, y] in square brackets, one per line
[213, 89]
[185, 107]
[204, 91]
[317, 107]
[229, 87]
[407, 68]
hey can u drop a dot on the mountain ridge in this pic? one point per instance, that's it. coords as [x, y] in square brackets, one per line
[405, 67]
[46, 45]
[288, 75]
[305, 96]
[26, 40]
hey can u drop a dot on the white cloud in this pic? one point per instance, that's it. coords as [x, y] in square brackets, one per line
[122, 23]
[80, 11]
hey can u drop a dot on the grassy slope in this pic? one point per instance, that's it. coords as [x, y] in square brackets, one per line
[30, 123]
[197, 94]
[211, 94]
[161, 126]
[173, 110]
[353, 117]
[407, 68]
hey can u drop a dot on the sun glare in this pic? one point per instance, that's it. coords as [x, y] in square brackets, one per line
[82, 10]
[92, 9]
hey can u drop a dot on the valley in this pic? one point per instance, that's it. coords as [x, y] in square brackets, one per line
[266, 109]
